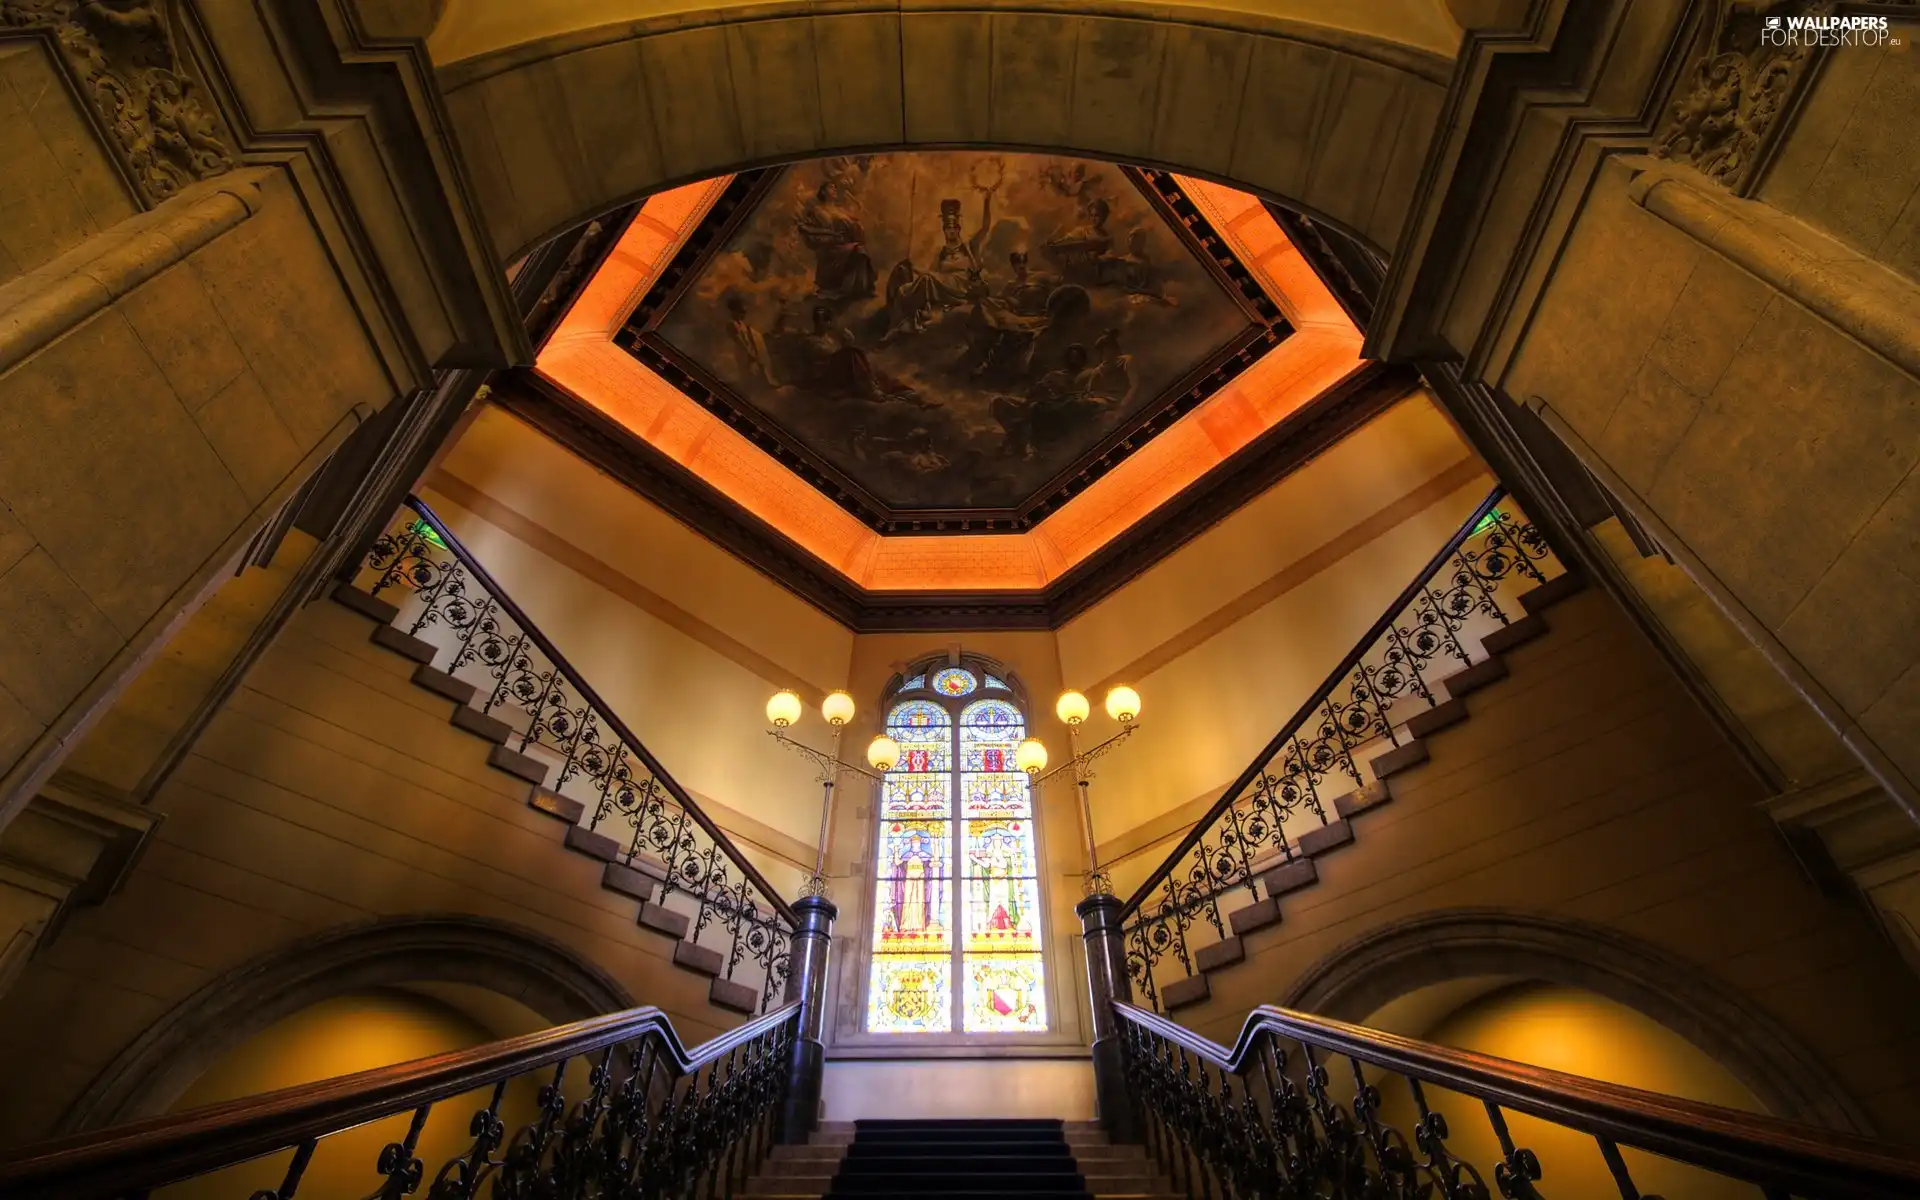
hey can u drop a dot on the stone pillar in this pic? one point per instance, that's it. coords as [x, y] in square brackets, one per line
[807, 983]
[1107, 982]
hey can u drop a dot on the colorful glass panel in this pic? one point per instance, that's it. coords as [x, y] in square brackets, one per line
[1002, 915]
[915, 796]
[996, 682]
[954, 681]
[978, 866]
[1005, 994]
[918, 681]
[998, 848]
[913, 912]
[911, 994]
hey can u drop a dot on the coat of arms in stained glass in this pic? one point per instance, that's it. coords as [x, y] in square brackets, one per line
[910, 993]
[1005, 994]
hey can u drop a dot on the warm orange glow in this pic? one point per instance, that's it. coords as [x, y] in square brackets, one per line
[581, 357]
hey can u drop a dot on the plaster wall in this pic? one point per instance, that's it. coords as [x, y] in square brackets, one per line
[1776, 446]
[684, 641]
[1588, 787]
[854, 1090]
[1226, 637]
[330, 790]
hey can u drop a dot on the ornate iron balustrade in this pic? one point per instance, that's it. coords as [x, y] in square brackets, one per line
[448, 599]
[652, 1120]
[1431, 630]
[1298, 1108]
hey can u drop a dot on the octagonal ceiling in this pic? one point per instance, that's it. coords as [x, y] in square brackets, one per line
[952, 340]
[850, 355]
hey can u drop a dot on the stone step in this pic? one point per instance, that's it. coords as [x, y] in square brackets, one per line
[1519, 633]
[1439, 717]
[1279, 874]
[518, 765]
[701, 960]
[1331, 836]
[1223, 953]
[638, 877]
[1103, 1151]
[661, 919]
[735, 997]
[1184, 993]
[1398, 759]
[1258, 915]
[592, 844]
[479, 724]
[546, 800]
[365, 603]
[1489, 670]
[810, 1152]
[1571, 583]
[442, 684]
[403, 643]
[1360, 800]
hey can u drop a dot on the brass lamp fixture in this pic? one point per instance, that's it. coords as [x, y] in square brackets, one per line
[1123, 705]
[837, 709]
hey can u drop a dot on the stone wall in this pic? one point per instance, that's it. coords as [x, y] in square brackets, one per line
[1775, 446]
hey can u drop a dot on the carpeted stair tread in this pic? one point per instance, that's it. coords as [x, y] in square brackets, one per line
[951, 1160]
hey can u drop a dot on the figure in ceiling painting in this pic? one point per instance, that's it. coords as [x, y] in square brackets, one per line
[951, 330]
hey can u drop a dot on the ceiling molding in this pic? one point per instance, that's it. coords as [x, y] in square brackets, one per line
[1271, 457]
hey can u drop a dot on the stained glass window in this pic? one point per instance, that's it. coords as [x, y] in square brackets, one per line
[957, 922]
[954, 681]
[997, 684]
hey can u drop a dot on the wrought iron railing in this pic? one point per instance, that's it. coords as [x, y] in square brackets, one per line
[648, 1119]
[1292, 787]
[482, 637]
[1303, 1106]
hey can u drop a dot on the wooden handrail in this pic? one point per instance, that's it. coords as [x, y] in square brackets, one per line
[159, 1150]
[1232, 795]
[1785, 1155]
[605, 710]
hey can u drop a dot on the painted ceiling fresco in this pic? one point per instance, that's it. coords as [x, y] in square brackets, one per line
[954, 330]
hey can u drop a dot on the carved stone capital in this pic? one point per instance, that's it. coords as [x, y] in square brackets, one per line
[123, 59]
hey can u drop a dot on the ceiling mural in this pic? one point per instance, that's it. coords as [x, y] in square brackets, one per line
[952, 332]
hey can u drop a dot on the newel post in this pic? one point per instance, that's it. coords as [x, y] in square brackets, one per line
[807, 983]
[1107, 982]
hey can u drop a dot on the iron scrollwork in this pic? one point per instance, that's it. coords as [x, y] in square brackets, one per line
[1467, 592]
[444, 600]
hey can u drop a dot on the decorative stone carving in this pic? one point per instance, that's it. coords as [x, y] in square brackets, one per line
[1736, 93]
[1724, 121]
[123, 55]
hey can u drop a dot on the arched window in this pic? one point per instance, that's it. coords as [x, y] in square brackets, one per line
[956, 931]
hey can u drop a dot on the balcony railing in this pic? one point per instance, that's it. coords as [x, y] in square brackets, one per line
[675, 852]
[1302, 1106]
[1296, 786]
[624, 1110]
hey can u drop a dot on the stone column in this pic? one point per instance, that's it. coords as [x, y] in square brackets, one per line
[807, 983]
[1107, 982]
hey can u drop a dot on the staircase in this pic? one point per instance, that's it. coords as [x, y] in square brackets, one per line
[960, 1160]
[1277, 875]
[431, 603]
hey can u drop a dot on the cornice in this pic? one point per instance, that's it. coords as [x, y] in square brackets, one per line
[1264, 462]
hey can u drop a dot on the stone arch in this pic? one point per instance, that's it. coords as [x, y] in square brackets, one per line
[1329, 121]
[150, 1074]
[1355, 980]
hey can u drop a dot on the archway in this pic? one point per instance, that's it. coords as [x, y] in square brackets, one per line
[1355, 981]
[523, 966]
[1333, 122]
